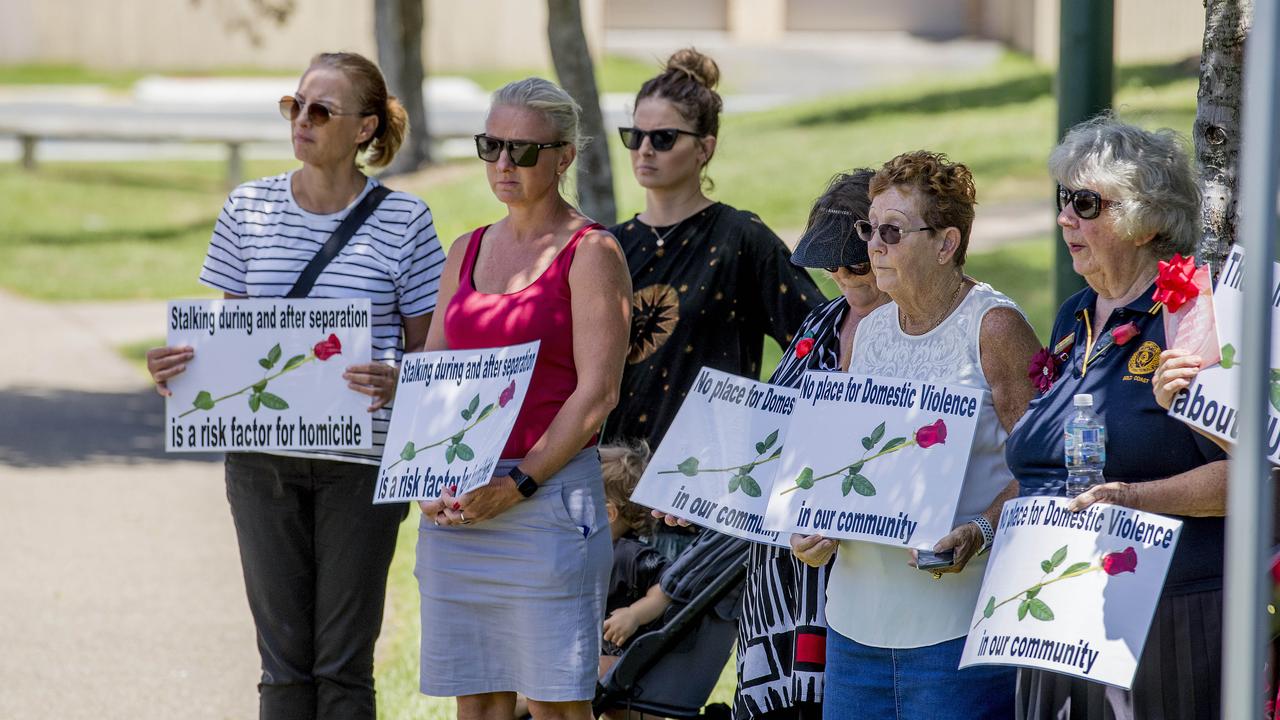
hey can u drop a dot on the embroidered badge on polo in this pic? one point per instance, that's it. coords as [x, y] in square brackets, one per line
[1145, 359]
[1064, 344]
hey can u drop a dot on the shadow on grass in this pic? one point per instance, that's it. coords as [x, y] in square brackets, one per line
[1026, 87]
[66, 428]
[71, 238]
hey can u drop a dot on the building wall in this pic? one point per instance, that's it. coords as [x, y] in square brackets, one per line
[182, 34]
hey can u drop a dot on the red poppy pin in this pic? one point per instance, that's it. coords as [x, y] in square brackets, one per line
[804, 346]
[1122, 334]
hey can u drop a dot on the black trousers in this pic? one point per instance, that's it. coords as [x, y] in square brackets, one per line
[315, 553]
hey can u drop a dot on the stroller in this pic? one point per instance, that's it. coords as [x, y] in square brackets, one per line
[671, 671]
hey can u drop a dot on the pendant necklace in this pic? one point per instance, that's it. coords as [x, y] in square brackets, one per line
[662, 237]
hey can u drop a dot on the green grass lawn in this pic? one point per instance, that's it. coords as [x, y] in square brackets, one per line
[139, 230]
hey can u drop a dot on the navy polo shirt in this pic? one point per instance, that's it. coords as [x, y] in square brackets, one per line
[1143, 442]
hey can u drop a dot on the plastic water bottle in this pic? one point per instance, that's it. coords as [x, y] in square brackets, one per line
[1085, 441]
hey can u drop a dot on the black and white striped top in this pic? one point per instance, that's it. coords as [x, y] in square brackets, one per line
[263, 240]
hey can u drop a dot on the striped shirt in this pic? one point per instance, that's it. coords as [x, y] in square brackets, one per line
[263, 240]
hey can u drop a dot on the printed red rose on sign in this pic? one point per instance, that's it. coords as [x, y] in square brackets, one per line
[1120, 562]
[804, 346]
[929, 435]
[327, 348]
[1175, 282]
[1043, 370]
[1124, 333]
[507, 394]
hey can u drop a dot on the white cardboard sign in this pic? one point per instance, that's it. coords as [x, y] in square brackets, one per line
[717, 462]
[1071, 592]
[267, 375]
[875, 459]
[1210, 403]
[453, 414]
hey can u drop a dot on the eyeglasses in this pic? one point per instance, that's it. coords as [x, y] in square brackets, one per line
[1087, 203]
[522, 152]
[318, 113]
[889, 232]
[861, 268]
[662, 140]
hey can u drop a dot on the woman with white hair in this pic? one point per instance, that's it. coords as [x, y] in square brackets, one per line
[513, 574]
[1127, 199]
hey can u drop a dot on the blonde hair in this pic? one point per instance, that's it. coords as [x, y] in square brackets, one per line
[548, 98]
[372, 98]
[622, 464]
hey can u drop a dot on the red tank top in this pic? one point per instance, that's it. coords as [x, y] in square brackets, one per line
[542, 311]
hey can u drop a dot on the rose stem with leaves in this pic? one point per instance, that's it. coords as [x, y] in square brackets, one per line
[294, 363]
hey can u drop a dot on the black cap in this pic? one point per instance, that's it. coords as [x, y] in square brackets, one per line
[830, 241]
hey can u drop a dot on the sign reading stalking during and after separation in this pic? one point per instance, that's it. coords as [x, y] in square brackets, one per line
[717, 461]
[267, 375]
[1071, 592]
[1210, 403]
[875, 459]
[453, 414]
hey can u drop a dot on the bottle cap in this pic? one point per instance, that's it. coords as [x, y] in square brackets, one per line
[1083, 400]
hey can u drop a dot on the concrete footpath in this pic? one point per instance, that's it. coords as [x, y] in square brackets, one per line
[120, 586]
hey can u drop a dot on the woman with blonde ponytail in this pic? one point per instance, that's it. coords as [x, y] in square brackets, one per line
[315, 551]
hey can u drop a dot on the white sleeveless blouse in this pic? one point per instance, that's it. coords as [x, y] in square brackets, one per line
[873, 596]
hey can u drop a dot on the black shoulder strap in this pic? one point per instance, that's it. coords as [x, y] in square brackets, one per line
[338, 240]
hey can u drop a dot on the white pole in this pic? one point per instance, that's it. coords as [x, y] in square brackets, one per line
[1249, 496]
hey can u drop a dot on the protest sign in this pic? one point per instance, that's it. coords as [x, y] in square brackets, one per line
[1210, 403]
[1071, 592]
[1190, 325]
[454, 411]
[717, 462]
[267, 375]
[875, 459]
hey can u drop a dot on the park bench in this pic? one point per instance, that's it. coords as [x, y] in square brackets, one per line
[234, 134]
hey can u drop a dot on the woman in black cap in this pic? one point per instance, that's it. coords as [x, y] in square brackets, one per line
[782, 630]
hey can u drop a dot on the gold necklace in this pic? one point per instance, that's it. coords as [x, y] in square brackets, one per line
[945, 311]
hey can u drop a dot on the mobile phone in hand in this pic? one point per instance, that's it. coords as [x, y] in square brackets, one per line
[929, 560]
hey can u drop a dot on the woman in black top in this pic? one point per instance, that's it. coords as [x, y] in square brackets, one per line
[710, 281]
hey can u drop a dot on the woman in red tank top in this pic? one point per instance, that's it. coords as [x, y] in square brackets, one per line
[513, 574]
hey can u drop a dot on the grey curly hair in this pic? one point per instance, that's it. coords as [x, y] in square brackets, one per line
[1145, 174]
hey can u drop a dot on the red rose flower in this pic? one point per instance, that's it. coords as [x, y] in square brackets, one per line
[1175, 282]
[1120, 562]
[1124, 333]
[804, 346]
[507, 394]
[934, 434]
[327, 348]
[1275, 569]
[1043, 370]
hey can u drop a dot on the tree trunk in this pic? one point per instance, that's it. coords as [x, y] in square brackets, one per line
[573, 65]
[1217, 127]
[398, 26]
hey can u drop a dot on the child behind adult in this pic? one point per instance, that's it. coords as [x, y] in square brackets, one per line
[635, 600]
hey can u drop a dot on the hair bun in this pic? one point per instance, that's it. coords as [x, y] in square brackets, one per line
[700, 68]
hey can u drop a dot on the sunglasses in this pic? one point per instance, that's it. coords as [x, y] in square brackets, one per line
[861, 268]
[318, 113]
[662, 140]
[1087, 203]
[522, 152]
[889, 233]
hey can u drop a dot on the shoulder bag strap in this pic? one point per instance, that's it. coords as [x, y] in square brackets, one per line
[352, 222]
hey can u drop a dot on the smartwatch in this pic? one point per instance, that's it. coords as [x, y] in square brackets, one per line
[525, 484]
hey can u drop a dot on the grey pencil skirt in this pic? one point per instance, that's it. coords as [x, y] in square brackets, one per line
[515, 603]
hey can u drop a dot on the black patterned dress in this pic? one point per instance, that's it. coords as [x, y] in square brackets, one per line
[782, 632]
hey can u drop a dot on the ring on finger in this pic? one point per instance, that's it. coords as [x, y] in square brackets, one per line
[937, 575]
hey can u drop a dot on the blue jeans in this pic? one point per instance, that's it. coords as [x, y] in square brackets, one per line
[912, 684]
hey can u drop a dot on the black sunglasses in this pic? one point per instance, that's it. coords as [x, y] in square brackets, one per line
[318, 113]
[1087, 203]
[861, 268]
[522, 152]
[889, 232]
[662, 139]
